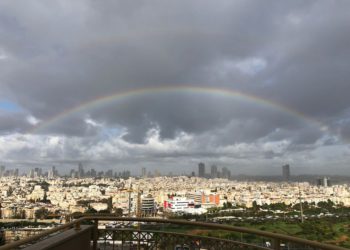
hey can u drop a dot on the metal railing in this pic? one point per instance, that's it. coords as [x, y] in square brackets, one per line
[112, 238]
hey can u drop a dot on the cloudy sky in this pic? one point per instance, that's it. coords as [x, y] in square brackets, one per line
[250, 85]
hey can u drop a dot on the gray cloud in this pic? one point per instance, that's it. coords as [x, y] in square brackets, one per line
[58, 55]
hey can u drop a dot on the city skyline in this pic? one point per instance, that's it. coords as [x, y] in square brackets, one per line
[212, 172]
[243, 85]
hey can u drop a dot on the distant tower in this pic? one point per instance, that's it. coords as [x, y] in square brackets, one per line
[54, 171]
[80, 170]
[50, 174]
[226, 173]
[325, 182]
[31, 173]
[144, 173]
[201, 170]
[286, 172]
[214, 171]
[93, 172]
[2, 171]
[156, 173]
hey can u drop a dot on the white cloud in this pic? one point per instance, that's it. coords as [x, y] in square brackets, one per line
[3, 55]
[32, 120]
[251, 66]
[248, 66]
[93, 123]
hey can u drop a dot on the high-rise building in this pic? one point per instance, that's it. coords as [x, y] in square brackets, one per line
[156, 173]
[54, 171]
[16, 172]
[50, 174]
[201, 170]
[226, 173]
[325, 182]
[31, 173]
[286, 172]
[125, 174]
[73, 174]
[214, 171]
[148, 205]
[93, 172]
[80, 170]
[37, 172]
[144, 173]
[2, 171]
[109, 173]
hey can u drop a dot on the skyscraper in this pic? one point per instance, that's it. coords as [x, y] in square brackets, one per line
[144, 173]
[31, 173]
[201, 170]
[80, 170]
[2, 171]
[226, 173]
[52, 173]
[214, 171]
[93, 172]
[156, 173]
[286, 172]
[325, 182]
[55, 171]
[109, 173]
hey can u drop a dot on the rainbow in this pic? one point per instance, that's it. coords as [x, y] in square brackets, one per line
[120, 96]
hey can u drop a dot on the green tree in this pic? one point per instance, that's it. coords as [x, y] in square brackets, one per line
[118, 212]
[255, 206]
[90, 210]
[41, 213]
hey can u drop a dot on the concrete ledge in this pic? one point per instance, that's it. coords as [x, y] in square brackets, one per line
[70, 239]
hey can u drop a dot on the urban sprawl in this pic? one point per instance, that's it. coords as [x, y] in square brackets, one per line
[37, 194]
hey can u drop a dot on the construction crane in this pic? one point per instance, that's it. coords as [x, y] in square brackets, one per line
[301, 205]
[138, 208]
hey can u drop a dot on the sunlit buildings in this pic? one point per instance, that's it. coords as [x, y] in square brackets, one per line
[148, 205]
[178, 204]
[21, 196]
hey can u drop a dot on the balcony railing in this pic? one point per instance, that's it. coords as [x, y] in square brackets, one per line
[154, 233]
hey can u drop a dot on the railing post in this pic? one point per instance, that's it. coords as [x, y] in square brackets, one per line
[276, 244]
[138, 239]
[95, 235]
[77, 226]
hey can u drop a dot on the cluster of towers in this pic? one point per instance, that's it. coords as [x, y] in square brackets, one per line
[214, 172]
[82, 173]
[8, 172]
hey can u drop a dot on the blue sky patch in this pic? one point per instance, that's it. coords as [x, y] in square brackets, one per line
[9, 106]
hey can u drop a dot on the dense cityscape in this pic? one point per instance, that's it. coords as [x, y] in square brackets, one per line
[38, 195]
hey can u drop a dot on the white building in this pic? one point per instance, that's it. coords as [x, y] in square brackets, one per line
[179, 204]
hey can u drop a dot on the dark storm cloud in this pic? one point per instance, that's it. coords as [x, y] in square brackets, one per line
[59, 54]
[12, 123]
